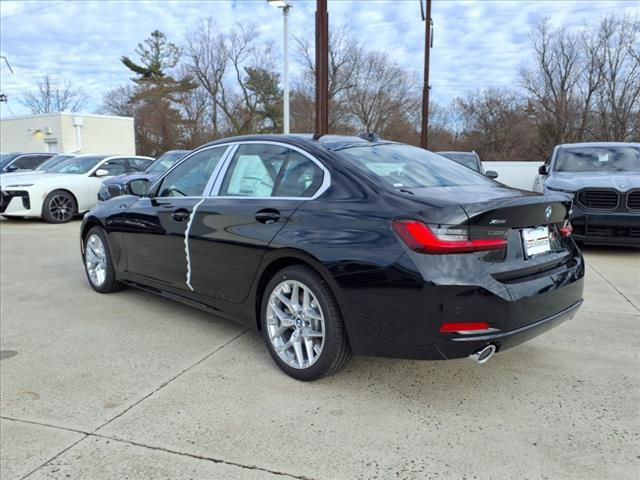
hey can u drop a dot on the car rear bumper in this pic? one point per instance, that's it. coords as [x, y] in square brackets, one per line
[403, 319]
[620, 228]
[466, 345]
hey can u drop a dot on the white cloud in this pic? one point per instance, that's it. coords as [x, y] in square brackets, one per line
[477, 44]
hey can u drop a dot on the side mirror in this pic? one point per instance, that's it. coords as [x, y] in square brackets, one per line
[491, 174]
[544, 169]
[139, 187]
[101, 172]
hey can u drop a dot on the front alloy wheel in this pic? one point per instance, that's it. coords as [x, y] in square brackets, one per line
[97, 262]
[95, 259]
[302, 325]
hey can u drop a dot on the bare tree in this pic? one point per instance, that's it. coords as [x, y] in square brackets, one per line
[618, 98]
[232, 67]
[381, 92]
[119, 101]
[206, 52]
[54, 96]
[345, 60]
[498, 126]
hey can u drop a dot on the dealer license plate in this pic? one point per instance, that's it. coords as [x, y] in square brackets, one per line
[536, 240]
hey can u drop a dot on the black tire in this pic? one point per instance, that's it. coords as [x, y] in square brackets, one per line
[59, 206]
[336, 351]
[110, 283]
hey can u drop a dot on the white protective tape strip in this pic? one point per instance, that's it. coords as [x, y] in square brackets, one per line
[186, 243]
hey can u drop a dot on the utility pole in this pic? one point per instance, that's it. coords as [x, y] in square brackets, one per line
[285, 77]
[322, 68]
[424, 134]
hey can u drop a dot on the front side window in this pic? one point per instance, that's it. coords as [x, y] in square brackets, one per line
[598, 159]
[190, 177]
[271, 171]
[402, 166]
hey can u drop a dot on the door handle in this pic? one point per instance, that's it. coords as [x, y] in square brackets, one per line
[180, 215]
[267, 216]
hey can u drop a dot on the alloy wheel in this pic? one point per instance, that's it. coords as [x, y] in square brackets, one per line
[61, 207]
[295, 324]
[96, 260]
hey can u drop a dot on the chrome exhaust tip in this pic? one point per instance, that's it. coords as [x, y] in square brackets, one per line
[484, 354]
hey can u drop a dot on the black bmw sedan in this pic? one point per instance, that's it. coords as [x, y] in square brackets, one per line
[335, 246]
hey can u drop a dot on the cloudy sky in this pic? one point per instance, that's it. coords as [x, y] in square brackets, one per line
[477, 44]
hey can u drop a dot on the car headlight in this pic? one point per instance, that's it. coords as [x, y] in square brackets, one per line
[19, 185]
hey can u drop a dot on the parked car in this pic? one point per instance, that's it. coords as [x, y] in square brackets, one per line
[46, 165]
[339, 245]
[470, 160]
[603, 179]
[11, 162]
[116, 186]
[64, 190]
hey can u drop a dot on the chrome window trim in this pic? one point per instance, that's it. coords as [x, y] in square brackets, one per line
[326, 178]
[212, 177]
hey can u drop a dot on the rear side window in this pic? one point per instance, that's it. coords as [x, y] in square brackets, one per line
[190, 177]
[271, 171]
[402, 166]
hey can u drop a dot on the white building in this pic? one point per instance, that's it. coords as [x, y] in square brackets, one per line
[68, 133]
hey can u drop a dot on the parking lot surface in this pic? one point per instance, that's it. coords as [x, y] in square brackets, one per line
[130, 385]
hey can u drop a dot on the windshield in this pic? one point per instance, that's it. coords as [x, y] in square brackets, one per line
[76, 164]
[469, 160]
[53, 161]
[6, 158]
[403, 166]
[598, 159]
[165, 160]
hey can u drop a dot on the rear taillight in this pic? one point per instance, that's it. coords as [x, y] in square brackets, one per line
[438, 239]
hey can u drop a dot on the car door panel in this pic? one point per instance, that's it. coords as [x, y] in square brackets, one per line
[155, 239]
[227, 240]
[155, 228]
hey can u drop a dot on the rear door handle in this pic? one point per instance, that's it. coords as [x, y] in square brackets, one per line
[180, 215]
[267, 216]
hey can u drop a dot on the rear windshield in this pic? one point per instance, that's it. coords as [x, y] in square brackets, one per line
[598, 159]
[467, 159]
[402, 166]
[76, 164]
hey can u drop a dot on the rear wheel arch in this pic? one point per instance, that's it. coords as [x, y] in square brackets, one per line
[283, 260]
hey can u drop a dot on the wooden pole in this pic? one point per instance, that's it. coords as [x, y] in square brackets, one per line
[322, 68]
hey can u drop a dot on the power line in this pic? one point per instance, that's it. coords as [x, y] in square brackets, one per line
[26, 12]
